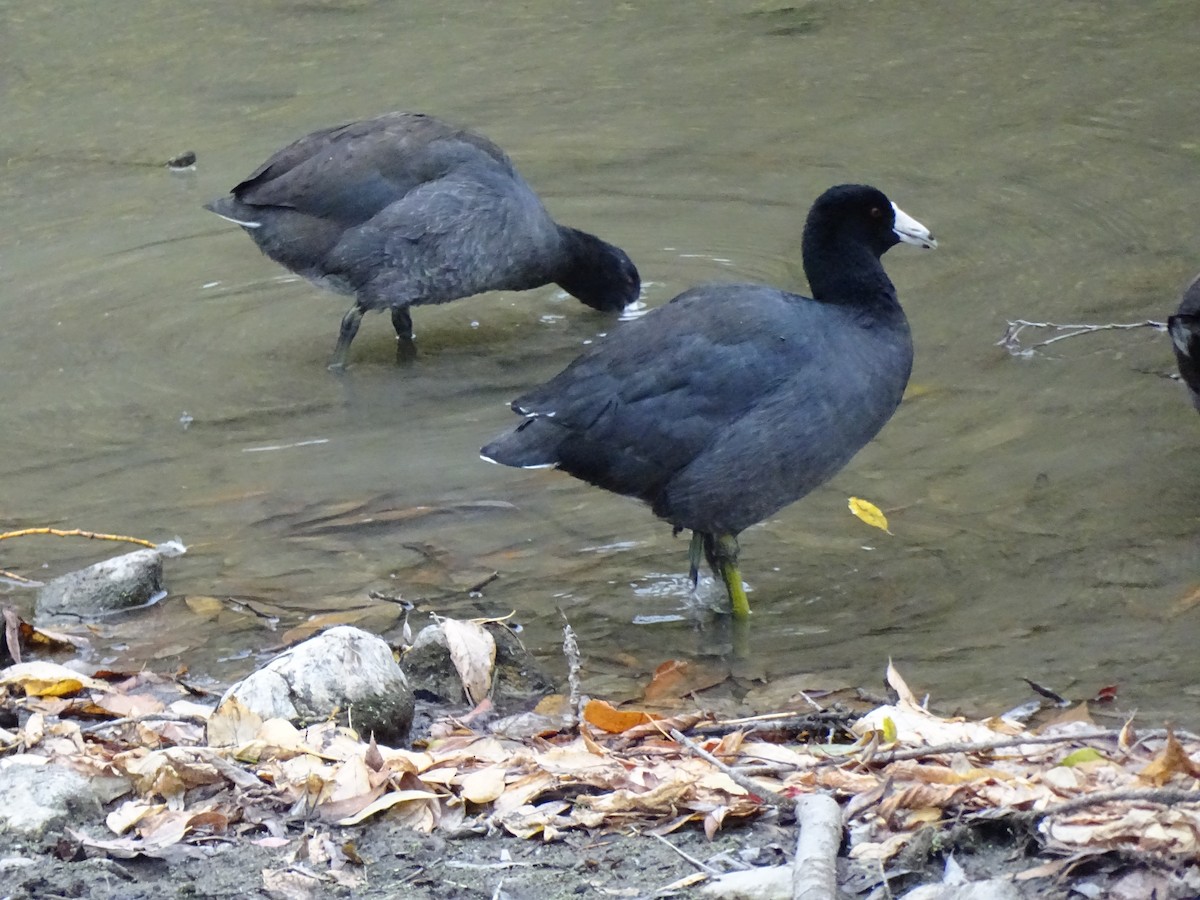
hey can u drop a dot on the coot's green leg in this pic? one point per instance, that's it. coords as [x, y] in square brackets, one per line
[696, 553]
[406, 349]
[722, 552]
[350, 323]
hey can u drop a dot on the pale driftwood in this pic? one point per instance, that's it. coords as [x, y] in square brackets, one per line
[814, 870]
[576, 701]
[787, 804]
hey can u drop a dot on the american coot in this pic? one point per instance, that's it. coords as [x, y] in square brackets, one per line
[734, 400]
[1185, 336]
[404, 209]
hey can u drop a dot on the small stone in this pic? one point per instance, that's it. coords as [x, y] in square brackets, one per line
[123, 582]
[344, 672]
[41, 798]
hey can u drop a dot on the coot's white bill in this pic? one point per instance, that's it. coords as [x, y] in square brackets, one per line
[911, 231]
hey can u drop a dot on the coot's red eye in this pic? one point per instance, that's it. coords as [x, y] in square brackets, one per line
[876, 212]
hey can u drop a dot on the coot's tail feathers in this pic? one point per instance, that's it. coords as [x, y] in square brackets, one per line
[531, 445]
[234, 210]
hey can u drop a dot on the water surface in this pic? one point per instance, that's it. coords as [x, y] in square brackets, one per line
[1044, 509]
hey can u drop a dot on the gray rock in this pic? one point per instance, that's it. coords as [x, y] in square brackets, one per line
[344, 671]
[42, 798]
[991, 889]
[122, 582]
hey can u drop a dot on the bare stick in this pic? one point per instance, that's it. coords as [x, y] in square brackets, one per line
[1011, 341]
[165, 718]
[4, 573]
[574, 665]
[814, 871]
[702, 866]
[1164, 796]
[787, 804]
[890, 756]
[78, 532]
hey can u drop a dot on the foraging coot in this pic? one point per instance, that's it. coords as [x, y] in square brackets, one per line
[403, 210]
[734, 400]
[1185, 337]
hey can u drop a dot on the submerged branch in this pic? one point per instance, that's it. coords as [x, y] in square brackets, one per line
[1011, 341]
[78, 532]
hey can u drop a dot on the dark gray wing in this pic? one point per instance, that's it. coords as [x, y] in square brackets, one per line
[348, 173]
[639, 408]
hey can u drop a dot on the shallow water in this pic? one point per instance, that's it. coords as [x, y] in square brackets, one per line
[1044, 509]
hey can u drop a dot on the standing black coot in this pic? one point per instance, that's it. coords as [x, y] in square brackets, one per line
[734, 400]
[1185, 336]
[403, 210]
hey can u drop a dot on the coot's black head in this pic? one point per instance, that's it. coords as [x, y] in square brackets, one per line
[849, 228]
[599, 274]
[862, 215]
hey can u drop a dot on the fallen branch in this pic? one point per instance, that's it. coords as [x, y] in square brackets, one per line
[890, 756]
[814, 870]
[1162, 796]
[78, 532]
[1011, 341]
[149, 717]
[768, 796]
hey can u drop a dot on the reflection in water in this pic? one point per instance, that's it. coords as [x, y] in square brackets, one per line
[1044, 510]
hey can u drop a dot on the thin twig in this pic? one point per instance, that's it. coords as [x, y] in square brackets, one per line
[787, 804]
[1164, 796]
[4, 573]
[889, 756]
[1011, 341]
[149, 717]
[78, 532]
[702, 866]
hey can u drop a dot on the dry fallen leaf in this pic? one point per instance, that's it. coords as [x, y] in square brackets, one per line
[678, 677]
[1170, 762]
[473, 652]
[47, 679]
[484, 785]
[233, 724]
[606, 717]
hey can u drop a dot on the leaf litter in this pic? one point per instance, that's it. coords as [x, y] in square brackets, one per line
[179, 778]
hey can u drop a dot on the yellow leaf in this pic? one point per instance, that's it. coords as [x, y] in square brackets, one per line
[47, 679]
[203, 606]
[1083, 755]
[869, 513]
[890, 732]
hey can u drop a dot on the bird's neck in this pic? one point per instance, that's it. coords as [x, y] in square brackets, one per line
[847, 275]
